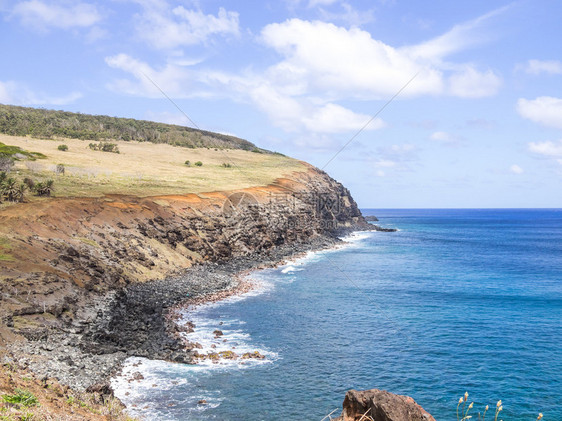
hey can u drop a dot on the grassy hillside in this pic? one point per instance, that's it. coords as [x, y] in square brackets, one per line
[48, 124]
[142, 168]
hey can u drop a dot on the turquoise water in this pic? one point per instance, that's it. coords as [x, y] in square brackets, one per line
[457, 300]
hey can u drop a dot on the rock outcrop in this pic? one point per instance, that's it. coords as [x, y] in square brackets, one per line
[380, 405]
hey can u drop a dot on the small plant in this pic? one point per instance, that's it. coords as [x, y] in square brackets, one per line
[63, 148]
[463, 416]
[44, 188]
[226, 165]
[187, 163]
[23, 398]
[198, 164]
[60, 169]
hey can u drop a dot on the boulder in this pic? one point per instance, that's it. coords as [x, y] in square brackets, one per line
[380, 405]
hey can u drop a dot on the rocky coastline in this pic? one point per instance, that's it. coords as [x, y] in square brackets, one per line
[104, 275]
[139, 321]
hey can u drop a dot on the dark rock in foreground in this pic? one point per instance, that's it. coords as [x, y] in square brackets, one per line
[380, 405]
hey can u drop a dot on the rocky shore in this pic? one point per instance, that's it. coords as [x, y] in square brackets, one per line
[93, 281]
[139, 321]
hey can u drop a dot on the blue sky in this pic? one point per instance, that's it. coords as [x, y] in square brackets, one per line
[479, 126]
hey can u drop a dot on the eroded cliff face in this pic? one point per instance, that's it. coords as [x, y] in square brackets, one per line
[66, 253]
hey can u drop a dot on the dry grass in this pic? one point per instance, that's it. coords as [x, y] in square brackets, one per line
[147, 169]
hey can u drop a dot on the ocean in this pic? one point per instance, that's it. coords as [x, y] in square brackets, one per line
[455, 301]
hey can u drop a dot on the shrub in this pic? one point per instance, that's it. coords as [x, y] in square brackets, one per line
[29, 183]
[60, 169]
[226, 165]
[198, 164]
[44, 188]
[104, 147]
[62, 148]
[11, 191]
[187, 163]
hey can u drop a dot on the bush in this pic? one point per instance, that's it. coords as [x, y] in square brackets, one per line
[198, 164]
[60, 169]
[44, 188]
[62, 148]
[29, 183]
[226, 165]
[104, 147]
[187, 163]
[10, 190]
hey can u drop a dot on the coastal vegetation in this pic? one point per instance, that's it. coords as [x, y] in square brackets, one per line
[50, 124]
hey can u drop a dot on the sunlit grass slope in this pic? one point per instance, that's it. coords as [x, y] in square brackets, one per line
[146, 169]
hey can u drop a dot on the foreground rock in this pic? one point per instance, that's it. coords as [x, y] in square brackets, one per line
[380, 405]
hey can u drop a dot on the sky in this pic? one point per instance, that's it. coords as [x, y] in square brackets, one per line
[476, 119]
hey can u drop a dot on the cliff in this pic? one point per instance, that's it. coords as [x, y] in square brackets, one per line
[89, 281]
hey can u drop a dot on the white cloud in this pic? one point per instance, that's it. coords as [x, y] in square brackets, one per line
[320, 65]
[333, 118]
[471, 83]
[536, 67]
[303, 115]
[328, 59]
[15, 93]
[516, 169]
[445, 137]
[548, 148]
[173, 80]
[39, 14]
[544, 110]
[458, 38]
[339, 62]
[164, 27]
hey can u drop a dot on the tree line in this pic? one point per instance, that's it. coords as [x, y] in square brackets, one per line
[42, 123]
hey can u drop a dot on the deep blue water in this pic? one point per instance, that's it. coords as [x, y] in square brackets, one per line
[457, 300]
